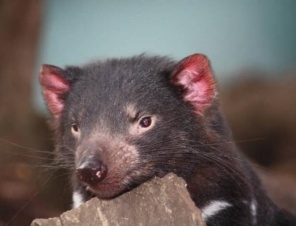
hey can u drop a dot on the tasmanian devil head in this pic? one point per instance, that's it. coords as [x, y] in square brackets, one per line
[121, 122]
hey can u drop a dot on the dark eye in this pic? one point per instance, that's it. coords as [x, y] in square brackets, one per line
[145, 122]
[74, 128]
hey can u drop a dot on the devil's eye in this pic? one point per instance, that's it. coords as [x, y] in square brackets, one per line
[145, 122]
[74, 127]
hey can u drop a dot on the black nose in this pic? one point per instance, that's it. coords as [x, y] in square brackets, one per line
[91, 173]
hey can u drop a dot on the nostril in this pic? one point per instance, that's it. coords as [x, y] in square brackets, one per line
[102, 172]
[92, 175]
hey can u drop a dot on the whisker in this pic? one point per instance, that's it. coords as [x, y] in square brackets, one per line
[26, 148]
[25, 155]
[29, 201]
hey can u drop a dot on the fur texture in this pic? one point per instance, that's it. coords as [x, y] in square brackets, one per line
[100, 114]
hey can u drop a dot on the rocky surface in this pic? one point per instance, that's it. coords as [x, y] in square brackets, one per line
[159, 202]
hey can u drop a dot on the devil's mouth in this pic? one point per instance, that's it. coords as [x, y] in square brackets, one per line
[111, 187]
[106, 191]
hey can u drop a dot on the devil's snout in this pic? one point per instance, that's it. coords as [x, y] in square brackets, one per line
[91, 171]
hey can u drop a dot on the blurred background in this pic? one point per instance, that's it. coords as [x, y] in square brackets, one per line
[252, 47]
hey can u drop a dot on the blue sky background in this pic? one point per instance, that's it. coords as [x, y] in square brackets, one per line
[234, 34]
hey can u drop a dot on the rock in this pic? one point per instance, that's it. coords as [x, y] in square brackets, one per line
[163, 201]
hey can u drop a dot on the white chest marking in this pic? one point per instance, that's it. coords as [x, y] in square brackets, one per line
[213, 208]
[254, 211]
[77, 199]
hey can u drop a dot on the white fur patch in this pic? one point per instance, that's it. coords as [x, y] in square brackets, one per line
[213, 208]
[77, 199]
[253, 207]
[131, 110]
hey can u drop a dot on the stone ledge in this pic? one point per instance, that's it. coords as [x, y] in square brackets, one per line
[162, 201]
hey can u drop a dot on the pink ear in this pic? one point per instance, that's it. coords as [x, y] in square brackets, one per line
[195, 77]
[54, 87]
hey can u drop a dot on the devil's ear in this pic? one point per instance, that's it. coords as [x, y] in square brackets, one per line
[54, 87]
[194, 75]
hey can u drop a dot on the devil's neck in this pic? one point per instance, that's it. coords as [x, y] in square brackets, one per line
[218, 168]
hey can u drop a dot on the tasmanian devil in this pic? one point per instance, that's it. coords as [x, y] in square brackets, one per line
[121, 122]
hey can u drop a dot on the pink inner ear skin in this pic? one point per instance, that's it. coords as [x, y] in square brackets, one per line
[54, 86]
[194, 75]
[55, 105]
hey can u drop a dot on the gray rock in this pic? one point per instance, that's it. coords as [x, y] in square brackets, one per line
[158, 202]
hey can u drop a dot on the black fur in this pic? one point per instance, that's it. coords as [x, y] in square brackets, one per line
[195, 147]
